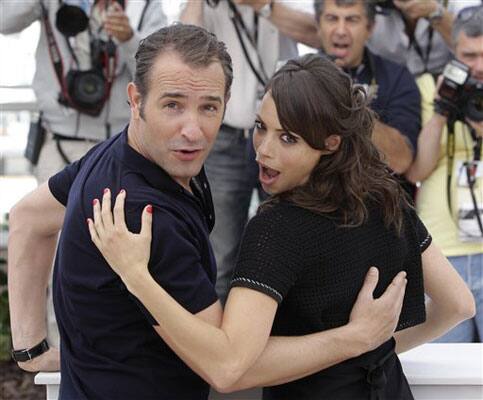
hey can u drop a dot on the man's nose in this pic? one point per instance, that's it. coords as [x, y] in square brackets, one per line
[191, 129]
[341, 27]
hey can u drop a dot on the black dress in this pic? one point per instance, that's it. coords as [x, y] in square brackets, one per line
[314, 269]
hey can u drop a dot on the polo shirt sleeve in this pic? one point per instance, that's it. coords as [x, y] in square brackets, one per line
[403, 108]
[176, 263]
[269, 257]
[60, 183]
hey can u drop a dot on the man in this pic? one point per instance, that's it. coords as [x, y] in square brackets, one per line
[70, 131]
[344, 28]
[260, 33]
[461, 240]
[109, 345]
[417, 33]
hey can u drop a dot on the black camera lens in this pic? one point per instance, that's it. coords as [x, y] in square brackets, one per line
[474, 105]
[89, 88]
[71, 20]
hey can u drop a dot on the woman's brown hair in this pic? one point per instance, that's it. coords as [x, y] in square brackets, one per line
[315, 99]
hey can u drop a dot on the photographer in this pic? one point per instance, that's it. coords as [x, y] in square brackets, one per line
[73, 122]
[416, 33]
[85, 102]
[450, 200]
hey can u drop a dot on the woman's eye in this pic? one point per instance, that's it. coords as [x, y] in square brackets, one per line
[288, 138]
[259, 125]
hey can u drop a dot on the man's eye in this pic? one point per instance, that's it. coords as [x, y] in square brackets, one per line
[211, 108]
[288, 138]
[171, 105]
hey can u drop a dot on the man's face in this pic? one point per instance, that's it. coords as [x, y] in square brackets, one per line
[343, 32]
[181, 115]
[469, 50]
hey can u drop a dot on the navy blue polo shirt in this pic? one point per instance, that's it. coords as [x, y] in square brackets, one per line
[109, 349]
[397, 101]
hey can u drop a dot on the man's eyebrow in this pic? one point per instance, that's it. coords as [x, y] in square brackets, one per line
[178, 95]
[175, 95]
[213, 98]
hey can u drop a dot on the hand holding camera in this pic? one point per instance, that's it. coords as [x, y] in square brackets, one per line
[116, 23]
[460, 97]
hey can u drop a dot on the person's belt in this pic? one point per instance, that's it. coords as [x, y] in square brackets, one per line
[63, 138]
[376, 375]
[245, 132]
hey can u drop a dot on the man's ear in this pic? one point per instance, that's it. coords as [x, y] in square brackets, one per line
[332, 143]
[134, 100]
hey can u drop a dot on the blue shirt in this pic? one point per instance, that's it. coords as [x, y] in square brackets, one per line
[109, 349]
[397, 99]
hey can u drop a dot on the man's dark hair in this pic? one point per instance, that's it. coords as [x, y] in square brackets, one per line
[472, 26]
[196, 46]
[369, 7]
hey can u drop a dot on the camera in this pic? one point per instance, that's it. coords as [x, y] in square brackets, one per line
[461, 96]
[72, 16]
[88, 90]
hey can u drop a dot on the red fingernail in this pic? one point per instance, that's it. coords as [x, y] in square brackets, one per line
[94, 202]
[149, 209]
[122, 191]
[87, 221]
[106, 190]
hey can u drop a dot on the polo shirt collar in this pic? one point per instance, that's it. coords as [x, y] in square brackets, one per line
[157, 177]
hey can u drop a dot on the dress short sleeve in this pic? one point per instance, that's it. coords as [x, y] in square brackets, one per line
[269, 257]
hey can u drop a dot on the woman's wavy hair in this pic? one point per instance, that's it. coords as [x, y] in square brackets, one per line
[316, 99]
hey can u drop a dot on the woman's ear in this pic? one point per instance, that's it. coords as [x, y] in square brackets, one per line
[332, 143]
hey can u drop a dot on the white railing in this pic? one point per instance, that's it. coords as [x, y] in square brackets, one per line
[436, 371]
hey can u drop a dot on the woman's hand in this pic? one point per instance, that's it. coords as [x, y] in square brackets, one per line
[127, 253]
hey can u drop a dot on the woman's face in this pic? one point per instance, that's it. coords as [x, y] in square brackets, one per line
[285, 159]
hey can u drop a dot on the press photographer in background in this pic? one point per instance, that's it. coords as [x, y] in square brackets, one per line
[448, 163]
[84, 61]
[416, 33]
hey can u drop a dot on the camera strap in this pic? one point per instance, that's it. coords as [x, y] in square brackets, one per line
[109, 62]
[239, 25]
[417, 47]
[470, 169]
[54, 52]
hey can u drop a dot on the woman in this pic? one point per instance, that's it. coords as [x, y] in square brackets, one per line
[334, 211]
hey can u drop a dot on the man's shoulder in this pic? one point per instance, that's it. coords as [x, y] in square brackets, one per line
[389, 67]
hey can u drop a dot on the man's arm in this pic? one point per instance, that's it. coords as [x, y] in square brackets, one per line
[17, 15]
[299, 25]
[34, 225]
[193, 13]
[118, 25]
[415, 9]
[393, 145]
[429, 142]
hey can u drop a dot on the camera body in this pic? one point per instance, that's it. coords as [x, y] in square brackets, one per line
[461, 96]
[88, 90]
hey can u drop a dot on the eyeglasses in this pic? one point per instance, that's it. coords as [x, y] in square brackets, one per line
[467, 13]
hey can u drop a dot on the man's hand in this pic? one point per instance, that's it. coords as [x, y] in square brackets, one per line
[48, 361]
[255, 4]
[477, 126]
[117, 24]
[375, 320]
[415, 9]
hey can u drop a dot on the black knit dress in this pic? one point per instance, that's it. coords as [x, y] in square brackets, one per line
[314, 269]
